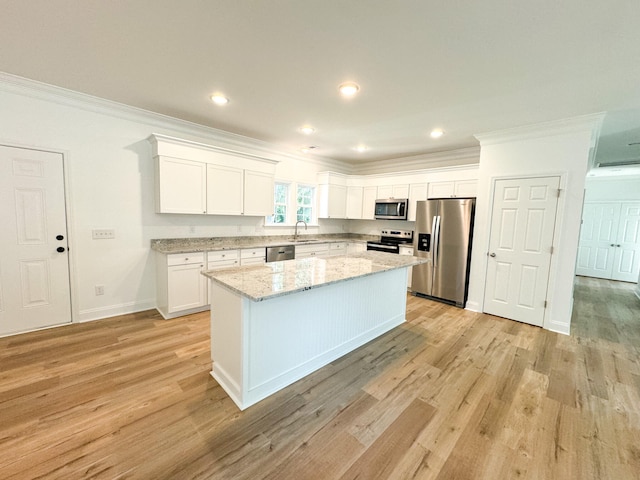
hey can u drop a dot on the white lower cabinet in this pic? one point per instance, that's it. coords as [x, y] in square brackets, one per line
[336, 249]
[355, 247]
[313, 250]
[223, 259]
[181, 288]
[252, 256]
[406, 250]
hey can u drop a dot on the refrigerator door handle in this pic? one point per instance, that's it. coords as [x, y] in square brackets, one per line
[434, 222]
[436, 240]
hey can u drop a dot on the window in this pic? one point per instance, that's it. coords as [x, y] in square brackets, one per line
[305, 203]
[281, 203]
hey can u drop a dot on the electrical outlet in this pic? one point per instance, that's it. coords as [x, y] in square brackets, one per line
[192, 229]
[99, 290]
[103, 234]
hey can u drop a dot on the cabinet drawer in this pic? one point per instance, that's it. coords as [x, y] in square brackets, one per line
[185, 258]
[312, 248]
[221, 255]
[232, 262]
[337, 246]
[247, 253]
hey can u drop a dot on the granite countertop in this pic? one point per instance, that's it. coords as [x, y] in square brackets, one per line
[186, 245]
[261, 282]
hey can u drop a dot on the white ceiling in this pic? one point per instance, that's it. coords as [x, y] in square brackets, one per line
[466, 66]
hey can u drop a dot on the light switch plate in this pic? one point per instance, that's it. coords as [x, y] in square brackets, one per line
[103, 234]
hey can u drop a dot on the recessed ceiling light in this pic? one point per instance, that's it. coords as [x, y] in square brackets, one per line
[437, 133]
[219, 99]
[361, 148]
[349, 89]
[307, 129]
[309, 148]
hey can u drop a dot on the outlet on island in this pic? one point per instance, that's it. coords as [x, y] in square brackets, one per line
[99, 290]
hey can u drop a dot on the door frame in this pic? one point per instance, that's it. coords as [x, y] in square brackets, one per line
[69, 215]
[557, 237]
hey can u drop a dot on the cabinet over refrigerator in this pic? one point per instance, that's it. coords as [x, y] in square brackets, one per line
[443, 233]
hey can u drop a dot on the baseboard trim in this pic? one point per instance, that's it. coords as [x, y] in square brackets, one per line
[98, 313]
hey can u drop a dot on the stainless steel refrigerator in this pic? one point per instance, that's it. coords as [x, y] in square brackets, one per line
[443, 234]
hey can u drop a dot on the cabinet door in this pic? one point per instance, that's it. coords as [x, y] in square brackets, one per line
[180, 186]
[356, 247]
[408, 251]
[417, 191]
[187, 288]
[441, 189]
[258, 193]
[400, 191]
[224, 190]
[385, 191]
[332, 201]
[466, 188]
[369, 196]
[354, 202]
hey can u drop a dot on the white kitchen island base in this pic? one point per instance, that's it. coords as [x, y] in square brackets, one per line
[260, 347]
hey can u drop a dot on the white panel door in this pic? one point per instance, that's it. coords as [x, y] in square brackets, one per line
[34, 264]
[522, 226]
[626, 263]
[598, 233]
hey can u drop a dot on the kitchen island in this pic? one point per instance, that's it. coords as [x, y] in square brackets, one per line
[273, 324]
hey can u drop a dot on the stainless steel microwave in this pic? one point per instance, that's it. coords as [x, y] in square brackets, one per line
[391, 209]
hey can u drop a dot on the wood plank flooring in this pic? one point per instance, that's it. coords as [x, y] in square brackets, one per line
[449, 395]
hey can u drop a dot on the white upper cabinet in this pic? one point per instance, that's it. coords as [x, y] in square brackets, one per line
[354, 202]
[225, 188]
[197, 178]
[332, 201]
[393, 191]
[453, 188]
[258, 193]
[369, 197]
[180, 186]
[332, 195]
[417, 192]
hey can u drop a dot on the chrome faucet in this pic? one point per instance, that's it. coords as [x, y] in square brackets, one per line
[295, 234]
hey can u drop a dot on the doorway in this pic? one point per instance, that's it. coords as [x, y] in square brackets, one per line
[523, 221]
[34, 259]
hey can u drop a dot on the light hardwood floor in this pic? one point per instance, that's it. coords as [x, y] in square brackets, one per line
[449, 395]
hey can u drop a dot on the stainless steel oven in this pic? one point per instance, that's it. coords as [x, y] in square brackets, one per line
[390, 241]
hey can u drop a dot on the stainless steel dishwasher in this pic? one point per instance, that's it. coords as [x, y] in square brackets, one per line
[283, 252]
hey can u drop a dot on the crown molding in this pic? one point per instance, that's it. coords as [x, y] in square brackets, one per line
[62, 96]
[584, 123]
[448, 159]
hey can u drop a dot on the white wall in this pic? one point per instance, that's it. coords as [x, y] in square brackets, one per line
[612, 188]
[557, 148]
[109, 174]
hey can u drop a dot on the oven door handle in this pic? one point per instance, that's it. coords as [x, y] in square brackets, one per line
[385, 247]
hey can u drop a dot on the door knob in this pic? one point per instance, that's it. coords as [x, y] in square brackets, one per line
[60, 249]
[492, 254]
[59, 237]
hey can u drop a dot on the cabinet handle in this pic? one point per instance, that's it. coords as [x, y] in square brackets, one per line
[617, 245]
[612, 245]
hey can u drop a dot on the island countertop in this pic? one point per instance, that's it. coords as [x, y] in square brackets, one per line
[261, 282]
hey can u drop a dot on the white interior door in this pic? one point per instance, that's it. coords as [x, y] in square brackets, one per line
[34, 265]
[521, 237]
[626, 263]
[598, 235]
